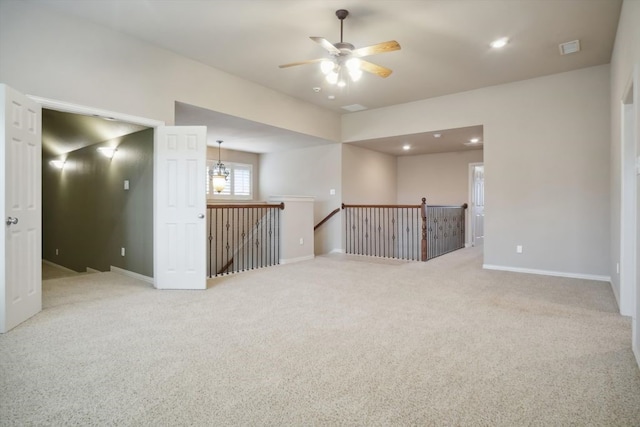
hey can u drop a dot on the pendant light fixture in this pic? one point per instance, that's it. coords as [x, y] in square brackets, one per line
[219, 174]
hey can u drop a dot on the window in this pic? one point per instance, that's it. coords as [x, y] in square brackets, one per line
[239, 182]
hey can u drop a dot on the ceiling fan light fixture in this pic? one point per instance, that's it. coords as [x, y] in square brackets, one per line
[327, 66]
[332, 78]
[344, 57]
[353, 64]
[355, 74]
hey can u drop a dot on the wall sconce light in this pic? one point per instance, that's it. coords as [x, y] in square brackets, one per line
[57, 163]
[107, 151]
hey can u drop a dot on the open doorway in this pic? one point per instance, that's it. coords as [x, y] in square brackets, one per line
[97, 198]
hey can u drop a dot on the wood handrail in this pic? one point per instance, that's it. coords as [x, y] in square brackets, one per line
[326, 218]
[463, 206]
[246, 205]
[380, 206]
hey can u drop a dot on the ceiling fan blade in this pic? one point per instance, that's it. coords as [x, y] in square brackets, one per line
[375, 69]
[326, 44]
[389, 46]
[308, 61]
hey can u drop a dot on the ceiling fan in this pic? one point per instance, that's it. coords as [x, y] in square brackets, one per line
[345, 58]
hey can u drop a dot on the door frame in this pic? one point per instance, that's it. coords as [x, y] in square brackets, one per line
[68, 107]
[469, 225]
[628, 202]
[629, 262]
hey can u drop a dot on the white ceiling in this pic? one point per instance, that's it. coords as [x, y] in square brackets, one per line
[442, 141]
[241, 134]
[445, 43]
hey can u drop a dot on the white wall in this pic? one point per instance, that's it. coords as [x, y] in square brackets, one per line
[308, 172]
[546, 157]
[368, 177]
[50, 55]
[625, 57]
[442, 178]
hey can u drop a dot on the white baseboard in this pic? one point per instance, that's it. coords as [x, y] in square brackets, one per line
[132, 274]
[337, 251]
[548, 273]
[53, 264]
[292, 260]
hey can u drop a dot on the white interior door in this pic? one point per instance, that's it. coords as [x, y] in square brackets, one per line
[21, 205]
[477, 206]
[180, 207]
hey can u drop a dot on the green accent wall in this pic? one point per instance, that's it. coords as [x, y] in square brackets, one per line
[87, 214]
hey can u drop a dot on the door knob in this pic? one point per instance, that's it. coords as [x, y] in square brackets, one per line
[201, 216]
[12, 221]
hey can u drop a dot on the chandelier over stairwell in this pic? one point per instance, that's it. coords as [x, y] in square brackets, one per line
[219, 174]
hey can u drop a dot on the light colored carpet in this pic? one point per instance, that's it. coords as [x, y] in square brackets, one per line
[52, 271]
[334, 341]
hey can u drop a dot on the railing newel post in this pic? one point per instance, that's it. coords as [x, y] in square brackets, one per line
[424, 245]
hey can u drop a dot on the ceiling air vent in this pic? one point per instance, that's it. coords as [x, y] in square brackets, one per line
[569, 47]
[354, 107]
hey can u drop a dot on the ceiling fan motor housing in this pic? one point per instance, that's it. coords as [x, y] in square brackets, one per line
[344, 48]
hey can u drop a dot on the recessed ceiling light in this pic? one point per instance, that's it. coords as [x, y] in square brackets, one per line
[437, 135]
[317, 89]
[499, 43]
[406, 147]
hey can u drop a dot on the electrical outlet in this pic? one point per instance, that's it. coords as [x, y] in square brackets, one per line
[332, 192]
[519, 249]
[126, 184]
[301, 241]
[56, 251]
[122, 251]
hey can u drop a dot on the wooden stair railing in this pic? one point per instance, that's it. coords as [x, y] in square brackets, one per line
[444, 229]
[326, 218]
[390, 231]
[247, 232]
[412, 232]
